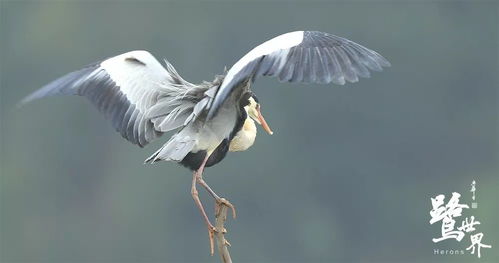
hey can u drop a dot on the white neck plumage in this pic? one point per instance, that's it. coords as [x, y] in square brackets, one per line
[245, 137]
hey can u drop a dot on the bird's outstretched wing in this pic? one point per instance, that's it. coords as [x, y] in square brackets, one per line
[302, 56]
[142, 98]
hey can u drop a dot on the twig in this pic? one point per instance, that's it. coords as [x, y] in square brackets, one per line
[223, 245]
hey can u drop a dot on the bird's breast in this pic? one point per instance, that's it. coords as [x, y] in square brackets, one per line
[245, 137]
[211, 133]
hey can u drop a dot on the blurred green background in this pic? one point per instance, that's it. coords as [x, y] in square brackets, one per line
[347, 176]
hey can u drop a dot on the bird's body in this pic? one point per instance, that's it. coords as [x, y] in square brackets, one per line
[242, 135]
[145, 99]
[241, 138]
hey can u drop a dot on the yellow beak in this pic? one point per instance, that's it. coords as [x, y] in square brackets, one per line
[263, 122]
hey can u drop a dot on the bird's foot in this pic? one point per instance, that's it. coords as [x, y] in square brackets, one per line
[211, 236]
[223, 201]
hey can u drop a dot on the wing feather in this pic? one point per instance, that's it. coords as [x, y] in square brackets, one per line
[124, 88]
[301, 56]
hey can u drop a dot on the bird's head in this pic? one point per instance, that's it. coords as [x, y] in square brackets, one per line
[252, 107]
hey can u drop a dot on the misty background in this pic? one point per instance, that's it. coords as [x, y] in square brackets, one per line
[346, 177]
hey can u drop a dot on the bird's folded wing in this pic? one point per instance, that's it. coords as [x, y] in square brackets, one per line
[302, 56]
[125, 88]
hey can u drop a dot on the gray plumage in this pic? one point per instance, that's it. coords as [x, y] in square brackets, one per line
[156, 101]
[144, 99]
[317, 58]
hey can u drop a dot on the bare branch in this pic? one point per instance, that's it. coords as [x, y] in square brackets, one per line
[222, 206]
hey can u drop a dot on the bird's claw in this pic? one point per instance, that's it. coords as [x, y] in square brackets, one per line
[212, 230]
[223, 201]
[211, 235]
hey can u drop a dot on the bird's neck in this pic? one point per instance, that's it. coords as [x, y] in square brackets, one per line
[244, 137]
[241, 118]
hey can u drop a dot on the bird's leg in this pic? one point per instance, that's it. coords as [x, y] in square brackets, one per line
[217, 198]
[197, 177]
[195, 196]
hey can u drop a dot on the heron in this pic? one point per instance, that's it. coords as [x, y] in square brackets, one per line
[144, 98]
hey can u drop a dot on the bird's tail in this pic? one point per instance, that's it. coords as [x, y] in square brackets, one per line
[176, 148]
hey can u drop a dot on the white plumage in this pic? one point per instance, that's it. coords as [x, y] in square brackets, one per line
[280, 42]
